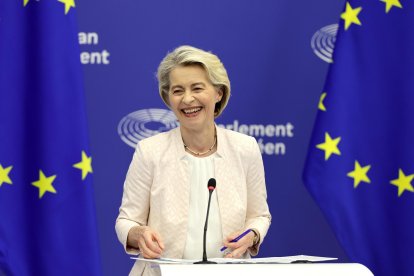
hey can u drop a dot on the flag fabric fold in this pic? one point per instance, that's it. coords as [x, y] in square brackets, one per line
[47, 214]
[360, 163]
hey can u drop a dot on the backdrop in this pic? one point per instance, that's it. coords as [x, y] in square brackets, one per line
[276, 53]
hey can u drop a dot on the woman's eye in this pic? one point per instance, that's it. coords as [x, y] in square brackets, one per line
[198, 89]
[176, 91]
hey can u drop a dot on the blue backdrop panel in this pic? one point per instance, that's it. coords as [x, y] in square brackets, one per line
[276, 79]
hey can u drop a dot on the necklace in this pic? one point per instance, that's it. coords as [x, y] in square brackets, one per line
[201, 153]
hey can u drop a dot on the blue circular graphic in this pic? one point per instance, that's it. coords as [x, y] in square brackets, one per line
[145, 123]
[323, 42]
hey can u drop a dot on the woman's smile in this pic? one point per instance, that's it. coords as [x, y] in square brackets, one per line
[191, 111]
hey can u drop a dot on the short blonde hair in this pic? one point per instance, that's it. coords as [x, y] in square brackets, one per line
[188, 55]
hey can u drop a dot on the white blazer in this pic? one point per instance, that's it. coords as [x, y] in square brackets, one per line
[157, 189]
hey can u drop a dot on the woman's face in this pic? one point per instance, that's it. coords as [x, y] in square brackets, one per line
[193, 97]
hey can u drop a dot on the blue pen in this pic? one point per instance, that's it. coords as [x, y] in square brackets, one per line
[237, 239]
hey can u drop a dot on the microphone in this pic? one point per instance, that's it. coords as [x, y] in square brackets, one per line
[211, 185]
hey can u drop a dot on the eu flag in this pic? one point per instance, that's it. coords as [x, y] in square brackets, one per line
[47, 216]
[360, 164]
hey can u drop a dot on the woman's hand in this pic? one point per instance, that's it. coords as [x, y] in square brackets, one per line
[238, 248]
[147, 240]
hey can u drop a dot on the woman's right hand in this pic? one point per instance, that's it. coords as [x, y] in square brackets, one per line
[147, 240]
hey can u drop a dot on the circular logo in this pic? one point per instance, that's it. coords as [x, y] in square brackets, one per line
[323, 42]
[145, 123]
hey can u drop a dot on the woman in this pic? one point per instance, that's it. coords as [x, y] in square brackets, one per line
[165, 191]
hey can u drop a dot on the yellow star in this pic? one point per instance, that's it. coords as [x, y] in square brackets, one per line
[351, 15]
[403, 182]
[4, 175]
[44, 184]
[25, 2]
[85, 165]
[330, 146]
[68, 4]
[359, 174]
[321, 106]
[391, 3]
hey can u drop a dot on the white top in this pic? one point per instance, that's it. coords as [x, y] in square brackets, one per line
[201, 170]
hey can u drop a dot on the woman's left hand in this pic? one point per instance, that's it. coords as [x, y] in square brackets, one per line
[238, 248]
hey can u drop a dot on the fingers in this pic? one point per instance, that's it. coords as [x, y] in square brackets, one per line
[159, 240]
[240, 247]
[227, 242]
[150, 244]
[146, 240]
[233, 245]
[232, 236]
[237, 253]
[146, 251]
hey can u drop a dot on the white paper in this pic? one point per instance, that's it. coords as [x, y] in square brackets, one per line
[269, 260]
[290, 259]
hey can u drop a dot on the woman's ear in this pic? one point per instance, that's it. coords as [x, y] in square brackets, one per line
[219, 94]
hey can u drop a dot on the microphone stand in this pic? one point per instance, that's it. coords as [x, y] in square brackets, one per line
[205, 261]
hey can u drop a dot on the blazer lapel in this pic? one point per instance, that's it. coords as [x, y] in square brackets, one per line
[181, 193]
[224, 189]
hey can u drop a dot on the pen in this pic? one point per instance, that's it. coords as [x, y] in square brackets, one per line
[237, 238]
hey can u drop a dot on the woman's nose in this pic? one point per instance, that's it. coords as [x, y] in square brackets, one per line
[188, 97]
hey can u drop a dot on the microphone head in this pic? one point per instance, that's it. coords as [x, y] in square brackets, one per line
[211, 185]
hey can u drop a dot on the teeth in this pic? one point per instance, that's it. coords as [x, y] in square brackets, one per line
[192, 110]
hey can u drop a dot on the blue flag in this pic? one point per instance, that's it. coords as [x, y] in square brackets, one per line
[47, 216]
[360, 164]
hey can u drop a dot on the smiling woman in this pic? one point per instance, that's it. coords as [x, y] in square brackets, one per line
[187, 55]
[195, 86]
[165, 196]
[192, 97]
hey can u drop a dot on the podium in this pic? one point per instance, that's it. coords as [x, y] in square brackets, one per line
[316, 269]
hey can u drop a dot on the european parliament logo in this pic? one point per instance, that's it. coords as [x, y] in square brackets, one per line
[145, 123]
[323, 42]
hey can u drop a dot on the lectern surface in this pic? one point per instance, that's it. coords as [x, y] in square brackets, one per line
[315, 269]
